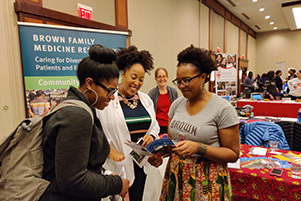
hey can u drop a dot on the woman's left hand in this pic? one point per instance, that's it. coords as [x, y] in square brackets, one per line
[146, 140]
[186, 148]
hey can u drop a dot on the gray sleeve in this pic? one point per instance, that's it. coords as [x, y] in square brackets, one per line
[174, 106]
[227, 116]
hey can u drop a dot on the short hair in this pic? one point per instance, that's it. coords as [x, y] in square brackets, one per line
[127, 57]
[39, 93]
[161, 68]
[201, 58]
[99, 65]
[278, 71]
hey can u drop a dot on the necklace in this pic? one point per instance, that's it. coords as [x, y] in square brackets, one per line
[127, 100]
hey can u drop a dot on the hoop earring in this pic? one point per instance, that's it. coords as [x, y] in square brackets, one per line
[96, 96]
[202, 87]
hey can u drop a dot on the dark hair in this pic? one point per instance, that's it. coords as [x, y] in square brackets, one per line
[278, 71]
[99, 65]
[264, 75]
[293, 70]
[201, 58]
[127, 57]
[39, 93]
[250, 73]
[270, 75]
[161, 68]
[31, 96]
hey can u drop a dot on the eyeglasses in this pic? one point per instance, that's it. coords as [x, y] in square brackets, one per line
[185, 81]
[110, 91]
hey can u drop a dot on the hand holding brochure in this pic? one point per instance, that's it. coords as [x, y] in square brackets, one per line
[157, 147]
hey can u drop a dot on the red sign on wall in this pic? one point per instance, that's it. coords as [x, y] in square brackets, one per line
[84, 11]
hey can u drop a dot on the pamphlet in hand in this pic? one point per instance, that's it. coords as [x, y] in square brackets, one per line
[157, 147]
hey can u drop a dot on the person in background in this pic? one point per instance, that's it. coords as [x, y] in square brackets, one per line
[291, 74]
[39, 106]
[131, 117]
[162, 96]
[229, 61]
[205, 129]
[257, 79]
[278, 80]
[223, 62]
[74, 147]
[218, 59]
[295, 87]
[269, 86]
[233, 59]
[263, 78]
[248, 84]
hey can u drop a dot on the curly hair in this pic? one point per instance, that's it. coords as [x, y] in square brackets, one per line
[126, 57]
[199, 57]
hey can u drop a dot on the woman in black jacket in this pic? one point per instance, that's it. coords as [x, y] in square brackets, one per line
[75, 148]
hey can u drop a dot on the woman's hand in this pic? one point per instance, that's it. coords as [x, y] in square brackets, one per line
[125, 187]
[186, 148]
[155, 161]
[116, 156]
[146, 140]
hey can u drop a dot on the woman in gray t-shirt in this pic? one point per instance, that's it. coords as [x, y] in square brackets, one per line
[205, 129]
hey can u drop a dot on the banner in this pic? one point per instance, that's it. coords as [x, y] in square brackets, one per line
[226, 75]
[51, 54]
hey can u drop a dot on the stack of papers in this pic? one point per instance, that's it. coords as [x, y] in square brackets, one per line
[258, 151]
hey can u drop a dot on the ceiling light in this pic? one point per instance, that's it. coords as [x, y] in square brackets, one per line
[261, 9]
[297, 16]
[271, 22]
[267, 17]
[254, 0]
[275, 27]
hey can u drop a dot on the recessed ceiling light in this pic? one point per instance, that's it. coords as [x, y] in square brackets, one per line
[297, 16]
[275, 27]
[254, 0]
[261, 9]
[271, 22]
[267, 17]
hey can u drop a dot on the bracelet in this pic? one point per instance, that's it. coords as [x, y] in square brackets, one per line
[202, 149]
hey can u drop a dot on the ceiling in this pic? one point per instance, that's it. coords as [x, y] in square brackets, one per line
[281, 17]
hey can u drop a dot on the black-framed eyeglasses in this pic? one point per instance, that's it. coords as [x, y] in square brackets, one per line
[185, 81]
[110, 91]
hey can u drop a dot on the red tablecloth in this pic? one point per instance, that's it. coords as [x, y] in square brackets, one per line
[272, 108]
[258, 184]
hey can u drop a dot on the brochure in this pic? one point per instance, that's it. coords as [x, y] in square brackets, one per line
[158, 147]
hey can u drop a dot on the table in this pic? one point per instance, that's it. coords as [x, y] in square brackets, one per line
[272, 108]
[258, 184]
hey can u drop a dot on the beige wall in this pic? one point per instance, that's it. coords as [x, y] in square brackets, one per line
[218, 32]
[278, 46]
[243, 43]
[232, 38]
[252, 54]
[164, 28]
[204, 26]
[103, 10]
[12, 107]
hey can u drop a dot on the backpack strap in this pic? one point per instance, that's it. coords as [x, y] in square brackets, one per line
[72, 102]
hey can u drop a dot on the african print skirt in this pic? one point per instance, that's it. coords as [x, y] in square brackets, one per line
[195, 179]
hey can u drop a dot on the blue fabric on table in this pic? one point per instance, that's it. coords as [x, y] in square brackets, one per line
[259, 133]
